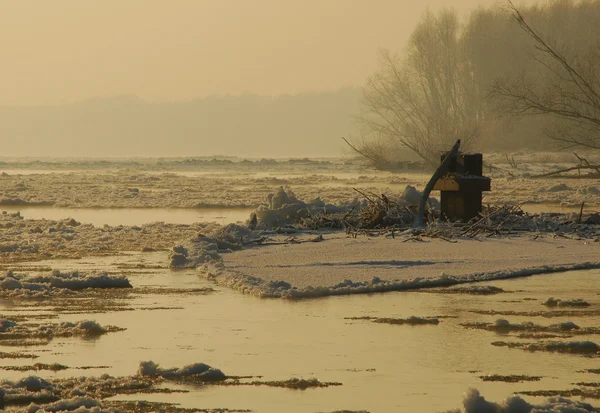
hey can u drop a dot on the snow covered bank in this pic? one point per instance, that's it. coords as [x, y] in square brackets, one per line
[346, 265]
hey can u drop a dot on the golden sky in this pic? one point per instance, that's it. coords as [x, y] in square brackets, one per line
[163, 50]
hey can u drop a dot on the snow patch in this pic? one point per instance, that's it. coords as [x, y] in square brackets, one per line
[56, 283]
[219, 273]
[474, 402]
[202, 372]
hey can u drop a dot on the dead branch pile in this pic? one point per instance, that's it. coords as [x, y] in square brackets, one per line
[378, 212]
[510, 220]
[494, 221]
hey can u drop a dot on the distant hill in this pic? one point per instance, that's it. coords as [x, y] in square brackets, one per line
[247, 125]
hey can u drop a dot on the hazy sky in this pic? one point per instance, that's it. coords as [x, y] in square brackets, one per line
[67, 50]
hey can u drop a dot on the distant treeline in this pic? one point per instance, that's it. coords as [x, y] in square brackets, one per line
[307, 124]
[444, 85]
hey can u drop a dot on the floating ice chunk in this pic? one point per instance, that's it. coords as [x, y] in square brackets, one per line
[148, 368]
[49, 331]
[579, 347]
[33, 383]
[6, 325]
[77, 281]
[57, 283]
[9, 283]
[77, 404]
[200, 371]
[566, 326]
[502, 323]
[474, 402]
[557, 302]
[88, 327]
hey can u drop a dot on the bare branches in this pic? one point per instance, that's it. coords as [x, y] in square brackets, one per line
[569, 91]
[362, 153]
[429, 99]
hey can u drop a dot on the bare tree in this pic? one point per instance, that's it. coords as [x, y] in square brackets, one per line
[429, 99]
[567, 88]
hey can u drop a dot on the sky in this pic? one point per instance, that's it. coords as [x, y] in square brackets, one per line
[64, 51]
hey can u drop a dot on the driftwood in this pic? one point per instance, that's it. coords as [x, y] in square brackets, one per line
[434, 178]
[499, 222]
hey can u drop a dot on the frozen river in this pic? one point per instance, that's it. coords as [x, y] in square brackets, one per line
[382, 367]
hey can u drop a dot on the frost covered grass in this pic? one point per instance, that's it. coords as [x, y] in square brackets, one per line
[557, 302]
[36, 367]
[567, 328]
[468, 290]
[411, 321]
[546, 314]
[585, 348]
[17, 355]
[293, 383]
[510, 378]
[474, 402]
[589, 393]
[153, 407]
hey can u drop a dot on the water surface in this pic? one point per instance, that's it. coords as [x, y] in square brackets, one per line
[382, 367]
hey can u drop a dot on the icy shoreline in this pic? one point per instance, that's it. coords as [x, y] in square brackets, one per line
[345, 265]
[262, 288]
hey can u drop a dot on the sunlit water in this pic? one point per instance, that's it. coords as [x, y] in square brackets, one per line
[383, 367]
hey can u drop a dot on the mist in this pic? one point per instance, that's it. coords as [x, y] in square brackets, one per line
[249, 125]
[146, 78]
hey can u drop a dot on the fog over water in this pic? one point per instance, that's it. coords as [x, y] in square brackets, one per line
[149, 78]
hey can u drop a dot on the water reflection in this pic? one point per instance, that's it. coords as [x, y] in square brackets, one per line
[382, 367]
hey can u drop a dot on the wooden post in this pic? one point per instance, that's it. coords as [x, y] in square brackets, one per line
[462, 187]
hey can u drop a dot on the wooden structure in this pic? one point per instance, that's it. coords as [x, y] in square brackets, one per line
[462, 187]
